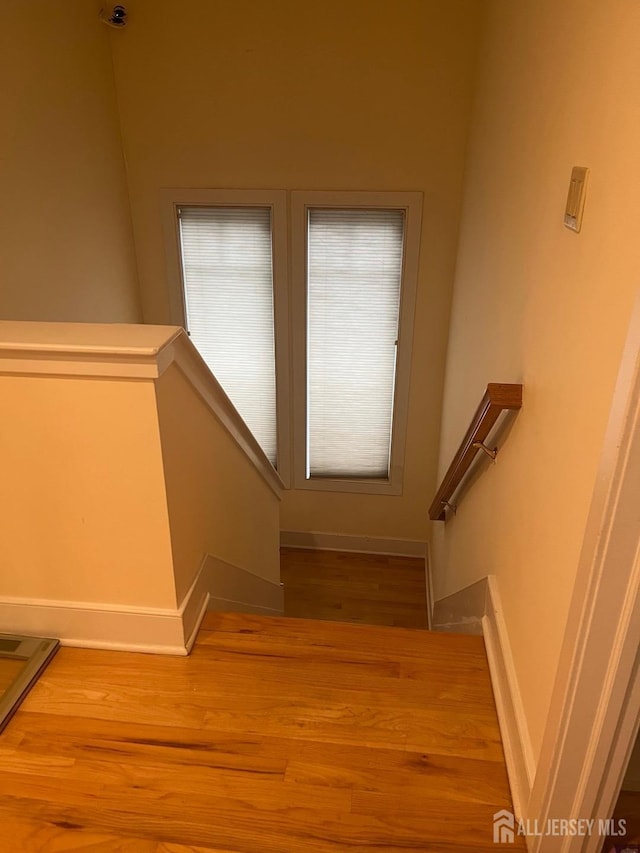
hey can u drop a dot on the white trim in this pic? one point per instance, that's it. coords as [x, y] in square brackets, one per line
[112, 368]
[620, 755]
[226, 605]
[351, 486]
[411, 202]
[282, 326]
[595, 702]
[311, 540]
[233, 588]
[276, 200]
[103, 350]
[194, 606]
[462, 611]
[117, 627]
[431, 601]
[511, 717]
[191, 364]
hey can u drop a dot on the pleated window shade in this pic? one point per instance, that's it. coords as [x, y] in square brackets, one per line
[354, 273]
[228, 286]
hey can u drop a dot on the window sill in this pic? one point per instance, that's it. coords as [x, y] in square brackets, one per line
[355, 486]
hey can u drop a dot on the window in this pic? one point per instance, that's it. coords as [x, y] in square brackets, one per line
[227, 258]
[354, 273]
[228, 293]
[354, 269]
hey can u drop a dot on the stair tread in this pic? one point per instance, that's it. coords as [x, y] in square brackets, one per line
[337, 634]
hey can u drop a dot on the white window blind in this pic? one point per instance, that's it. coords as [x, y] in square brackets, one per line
[354, 272]
[227, 272]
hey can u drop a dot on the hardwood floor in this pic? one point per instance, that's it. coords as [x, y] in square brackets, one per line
[627, 808]
[347, 587]
[273, 736]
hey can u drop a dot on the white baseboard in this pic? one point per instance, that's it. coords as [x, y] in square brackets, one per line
[359, 544]
[110, 626]
[232, 588]
[194, 606]
[224, 605]
[462, 612]
[218, 585]
[513, 724]
[429, 585]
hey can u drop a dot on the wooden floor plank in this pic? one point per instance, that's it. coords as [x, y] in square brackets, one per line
[426, 775]
[35, 836]
[74, 737]
[371, 589]
[438, 730]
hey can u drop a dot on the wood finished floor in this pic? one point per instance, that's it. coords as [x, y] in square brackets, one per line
[273, 736]
[366, 588]
[627, 808]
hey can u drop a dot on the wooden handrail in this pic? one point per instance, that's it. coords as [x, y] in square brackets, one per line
[496, 399]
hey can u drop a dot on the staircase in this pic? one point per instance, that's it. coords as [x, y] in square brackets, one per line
[275, 734]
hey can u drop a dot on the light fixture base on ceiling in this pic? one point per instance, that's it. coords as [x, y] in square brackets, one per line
[115, 17]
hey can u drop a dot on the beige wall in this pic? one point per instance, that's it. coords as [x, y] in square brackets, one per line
[559, 85]
[364, 95]
[218, 503]
[82, 500]
[66, 246]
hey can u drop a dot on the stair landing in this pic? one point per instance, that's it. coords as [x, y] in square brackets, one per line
[276, 735]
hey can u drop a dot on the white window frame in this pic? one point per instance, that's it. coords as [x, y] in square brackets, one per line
[276, 200]
[411, 204]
